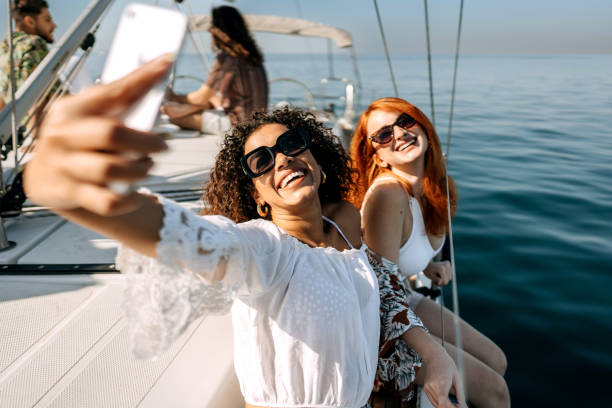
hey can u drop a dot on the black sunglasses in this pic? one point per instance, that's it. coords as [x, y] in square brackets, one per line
[261, 160]
[385, 134]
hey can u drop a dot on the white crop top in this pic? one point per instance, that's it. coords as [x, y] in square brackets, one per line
[416, 253]
[306, 320]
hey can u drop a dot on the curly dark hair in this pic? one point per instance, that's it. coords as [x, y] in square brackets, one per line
[229, 192]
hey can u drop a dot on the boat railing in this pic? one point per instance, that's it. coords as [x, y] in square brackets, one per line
[348, 99]
[308, 96]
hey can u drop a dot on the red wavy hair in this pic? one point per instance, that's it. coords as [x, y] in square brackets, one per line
[435, 212]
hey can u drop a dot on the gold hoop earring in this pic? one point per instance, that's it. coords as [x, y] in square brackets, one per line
[263, 210]
[323, 177]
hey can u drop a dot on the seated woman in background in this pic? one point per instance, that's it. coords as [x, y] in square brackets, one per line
[402, 195]
[284, 252]
[237, 85]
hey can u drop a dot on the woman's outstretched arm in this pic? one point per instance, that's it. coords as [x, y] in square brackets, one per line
[82, 148]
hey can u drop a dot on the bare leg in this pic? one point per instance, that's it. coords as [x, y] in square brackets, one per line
[484, 387]
[193, 121]
[179, 110]
[475, 343]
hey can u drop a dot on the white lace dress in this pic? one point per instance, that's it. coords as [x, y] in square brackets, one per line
[306, 320]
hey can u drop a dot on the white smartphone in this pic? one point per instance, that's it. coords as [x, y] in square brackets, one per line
[144, 33]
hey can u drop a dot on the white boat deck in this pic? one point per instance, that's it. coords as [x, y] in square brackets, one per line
[63, 335]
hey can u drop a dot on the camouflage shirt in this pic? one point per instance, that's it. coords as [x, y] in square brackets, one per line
[28, 51]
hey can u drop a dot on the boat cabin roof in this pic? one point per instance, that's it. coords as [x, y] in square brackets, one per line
[281, 25]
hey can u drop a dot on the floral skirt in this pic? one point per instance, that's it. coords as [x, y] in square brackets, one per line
[397, 362]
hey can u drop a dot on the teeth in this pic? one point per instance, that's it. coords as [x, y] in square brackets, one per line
[410, 143]
[290, 177]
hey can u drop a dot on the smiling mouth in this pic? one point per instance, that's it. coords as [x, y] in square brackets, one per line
[406, 145]
[291, 177]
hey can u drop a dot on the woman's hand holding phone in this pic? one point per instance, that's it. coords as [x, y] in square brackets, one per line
[83, 145]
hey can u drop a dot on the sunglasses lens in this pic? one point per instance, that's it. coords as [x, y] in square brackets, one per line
[384, 135]
[405, 121]
[260, 161]
[292, 143]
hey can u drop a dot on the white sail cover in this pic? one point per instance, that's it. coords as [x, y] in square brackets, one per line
[282, 25]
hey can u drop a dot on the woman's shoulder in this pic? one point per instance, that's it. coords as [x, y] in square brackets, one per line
[387, 192]
[259, 224]
[347, 216]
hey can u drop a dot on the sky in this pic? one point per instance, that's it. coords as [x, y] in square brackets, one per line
[489, 26]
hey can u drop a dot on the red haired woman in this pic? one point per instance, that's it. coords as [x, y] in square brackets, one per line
[403, 200]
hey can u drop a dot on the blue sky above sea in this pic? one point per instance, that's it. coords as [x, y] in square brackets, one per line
[489, 27]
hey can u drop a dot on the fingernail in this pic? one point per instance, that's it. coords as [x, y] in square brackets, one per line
[169, 56]
[164, 60]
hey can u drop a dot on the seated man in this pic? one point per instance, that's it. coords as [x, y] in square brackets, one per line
[34, 29]
[236, 87]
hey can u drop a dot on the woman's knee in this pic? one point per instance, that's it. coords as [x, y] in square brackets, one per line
[490, 390]
[500, 393]
[499, 362]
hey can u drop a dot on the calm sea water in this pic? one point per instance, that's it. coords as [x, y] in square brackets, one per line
[531, 153]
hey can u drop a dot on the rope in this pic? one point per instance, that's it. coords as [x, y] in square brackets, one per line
[384, 40]
[431, 95]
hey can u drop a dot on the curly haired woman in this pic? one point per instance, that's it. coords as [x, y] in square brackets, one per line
[402, 195]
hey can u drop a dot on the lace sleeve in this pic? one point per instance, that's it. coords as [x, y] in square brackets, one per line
[202, 264]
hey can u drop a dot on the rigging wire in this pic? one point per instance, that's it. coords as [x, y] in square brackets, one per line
[196, 40]
[356, 72]
[452, 105]
[4, 242]
[455, 294]
[199, 38]
[330, 59]
[384, 40]
[431, 95]
[300, 14]
[12, 85]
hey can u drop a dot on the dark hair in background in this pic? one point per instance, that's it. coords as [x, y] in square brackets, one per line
[32, 8]
[229, 192]
[230, 21]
